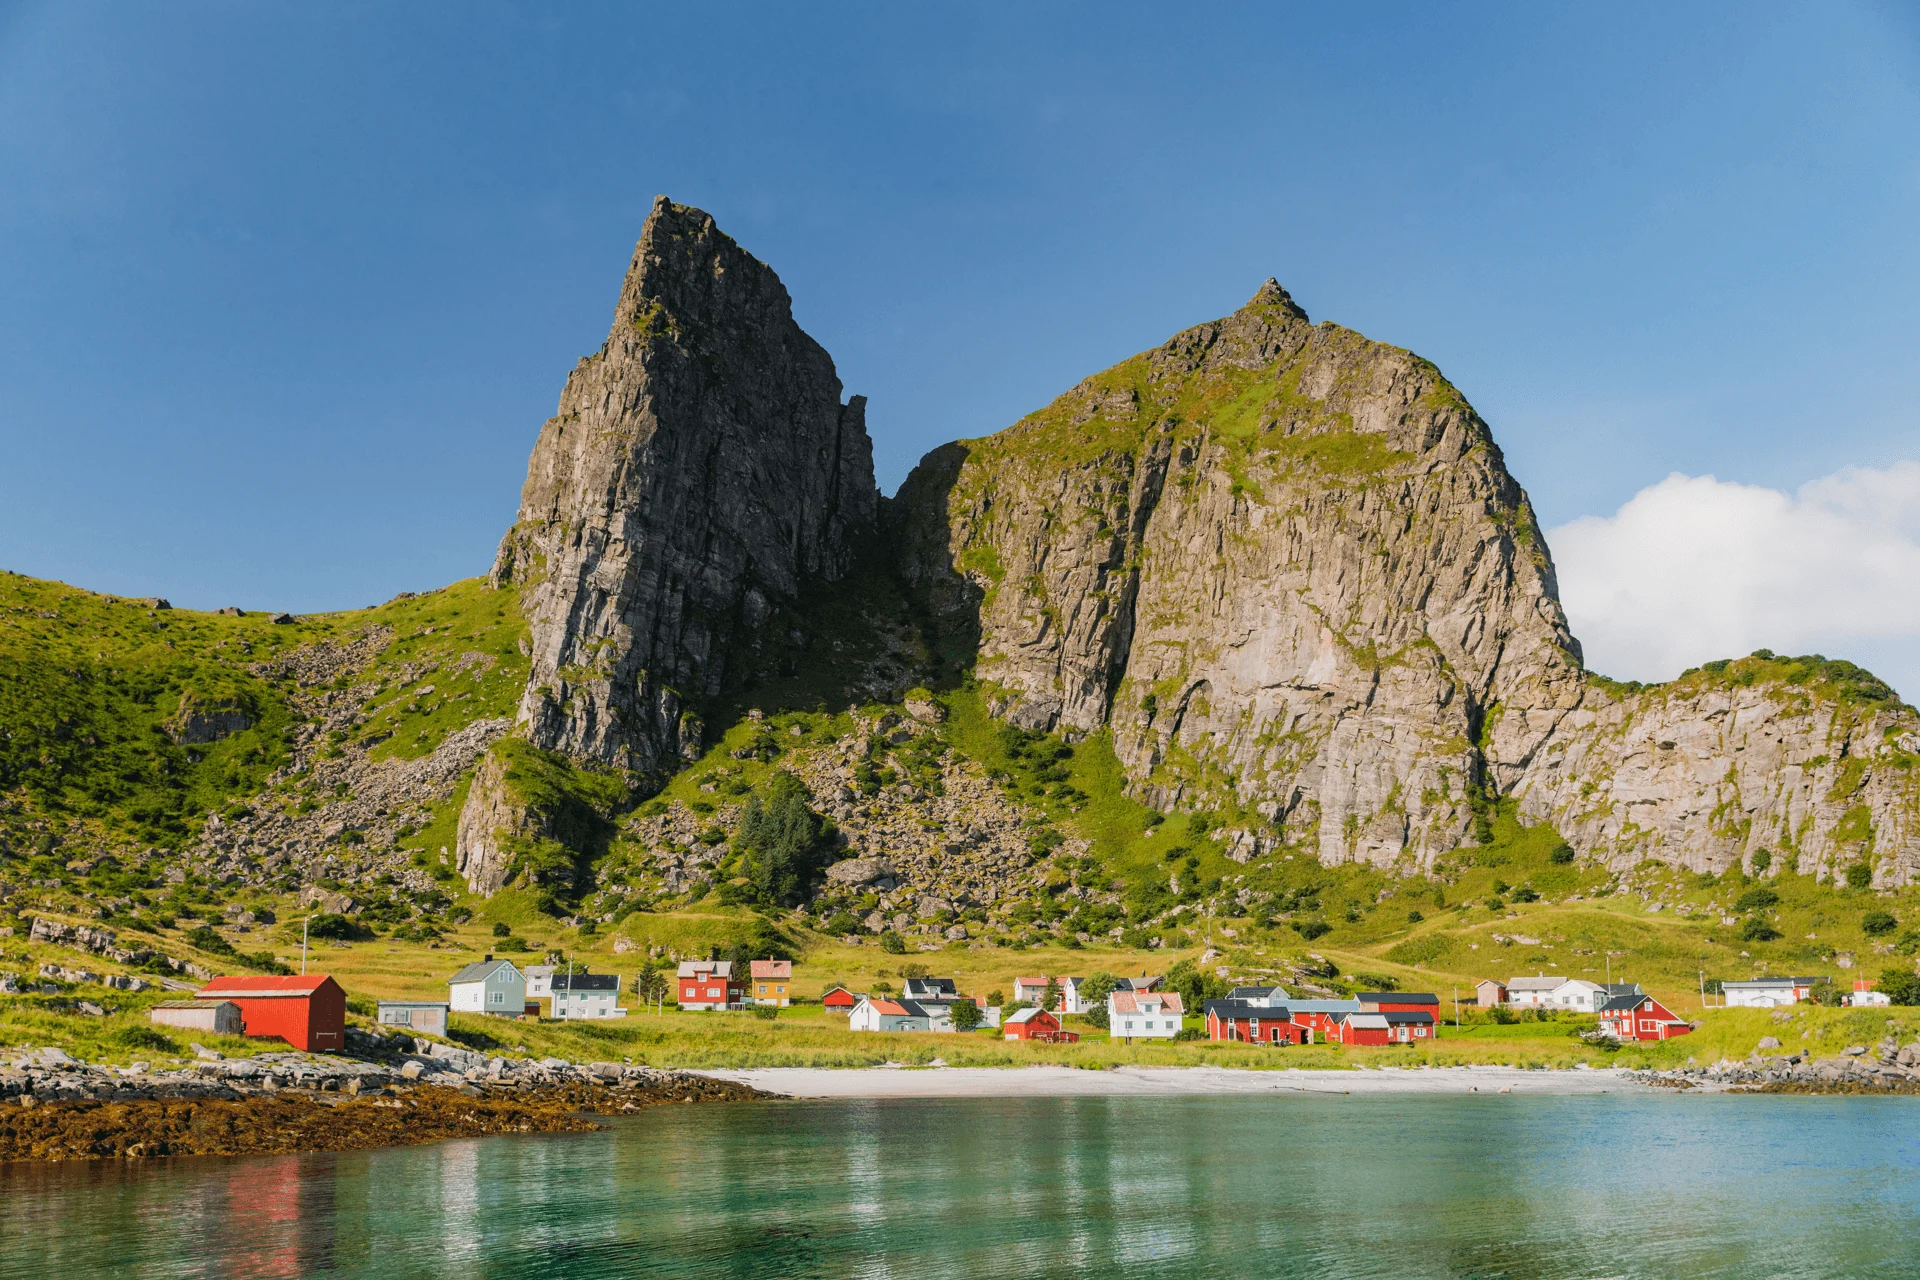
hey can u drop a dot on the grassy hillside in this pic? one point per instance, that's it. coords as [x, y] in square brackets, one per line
[101, 783]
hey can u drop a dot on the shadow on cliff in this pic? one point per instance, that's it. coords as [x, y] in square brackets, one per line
[901, 617]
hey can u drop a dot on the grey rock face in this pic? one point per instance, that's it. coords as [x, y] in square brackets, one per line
[857, 871]
[203, 720]
[1273, 556]
[1706, 775]
[701, 467]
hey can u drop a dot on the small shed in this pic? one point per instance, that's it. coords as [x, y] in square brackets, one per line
[220, 1017]
[839, 1000]
[1489, 993]
[427, 1016]
[309, 1013]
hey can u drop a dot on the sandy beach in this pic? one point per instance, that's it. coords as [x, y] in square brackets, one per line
[1030, 1082]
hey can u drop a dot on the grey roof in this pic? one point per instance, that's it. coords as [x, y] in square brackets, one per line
[1324, 1006]
[414, 1004]
[1135, 984]
[481, 970]
[586, 982]
[1416, 1017]
[1624, 1004]
[931, 989]
[1232, 1009]
[913, 1009]
[1542, 982]
[1254, 993]
[1782, 981]
[1397, 997]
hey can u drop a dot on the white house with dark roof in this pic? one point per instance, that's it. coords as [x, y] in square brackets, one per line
[1767, 993]
[578, 996]
[489, 986]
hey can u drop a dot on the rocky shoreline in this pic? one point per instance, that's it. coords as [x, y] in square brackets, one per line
[1887, 1067]
[53, 1107]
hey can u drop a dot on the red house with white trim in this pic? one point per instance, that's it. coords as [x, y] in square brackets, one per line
[1640, 1017]
[1037, 1024]
[308, 1012]
[1251, 1023]
[706, 985]
[839, 1000]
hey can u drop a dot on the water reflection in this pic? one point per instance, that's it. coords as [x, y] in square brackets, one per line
[1188, 1187]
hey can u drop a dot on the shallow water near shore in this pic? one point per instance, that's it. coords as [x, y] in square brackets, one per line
[1303, 1185]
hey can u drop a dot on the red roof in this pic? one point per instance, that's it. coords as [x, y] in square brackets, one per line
[773, 968]
[264, 985]
[888, 1006]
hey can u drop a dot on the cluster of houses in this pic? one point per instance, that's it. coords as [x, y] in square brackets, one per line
[1624, 1010]
[310, 1012]
[1268, 1015]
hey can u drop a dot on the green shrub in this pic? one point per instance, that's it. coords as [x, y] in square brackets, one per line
[501, 928]
[207, 940]
[840, 922]
[1754, 929]
[1311, 929]
[1860, 875]
[1561, 856]
[1758, 898]
[330, 924]
[1525, 894]
[145, 1038]
[892, 943]
[1761, 860]
[1414, 917]
[1902, 986]
[766, 1012]
[1879, 922]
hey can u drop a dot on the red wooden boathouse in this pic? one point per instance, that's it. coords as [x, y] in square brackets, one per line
[308, 1012]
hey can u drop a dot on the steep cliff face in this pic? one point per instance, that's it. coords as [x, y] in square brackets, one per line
[1760, 763]
[1281, 561]
[700, 468]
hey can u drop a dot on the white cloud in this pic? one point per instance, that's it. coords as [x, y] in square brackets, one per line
[1695, 568]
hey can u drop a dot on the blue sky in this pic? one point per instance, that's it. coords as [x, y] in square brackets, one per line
[286, 292]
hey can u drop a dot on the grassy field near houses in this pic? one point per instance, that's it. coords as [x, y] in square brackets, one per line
[806, 1035]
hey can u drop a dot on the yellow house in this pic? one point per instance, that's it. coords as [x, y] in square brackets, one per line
[771, 981]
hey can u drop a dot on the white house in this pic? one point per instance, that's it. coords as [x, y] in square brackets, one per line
[1147, 1015]
[1578, 995]
[1865, 997]
[1260, 997]
[488, 986]
[877, 1013]
[1030, 989]
[935, 998]
[1766, 993]
[586, 995]
[539, 981]
[1532, 993]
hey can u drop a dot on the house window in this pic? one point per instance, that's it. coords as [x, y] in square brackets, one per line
[713, 993]
[496, 997]
[1129, 1024]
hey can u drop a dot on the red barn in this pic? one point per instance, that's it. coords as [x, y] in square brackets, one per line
[1640, 1017]
[1251, 1023]
[309, 1013]
[1037, 1024]
[839, 1000]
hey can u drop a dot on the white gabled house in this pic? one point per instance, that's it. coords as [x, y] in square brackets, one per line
[1767, 993]
[539, 981]
[1532, 993]
[1151, 1015]
[877, 1013]
[488, 986]
[586, 995]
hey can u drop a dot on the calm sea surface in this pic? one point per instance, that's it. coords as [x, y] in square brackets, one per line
[1186, 1187]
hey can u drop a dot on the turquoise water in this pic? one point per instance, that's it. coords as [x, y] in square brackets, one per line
[1190, 1187]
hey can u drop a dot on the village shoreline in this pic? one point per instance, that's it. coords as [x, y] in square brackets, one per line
[877, 1083]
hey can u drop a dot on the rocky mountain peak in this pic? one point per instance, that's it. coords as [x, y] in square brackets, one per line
[1271, 297]
[702, 465]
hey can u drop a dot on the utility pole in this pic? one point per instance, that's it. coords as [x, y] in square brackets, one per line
[1456, 1008]
[303, 946]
